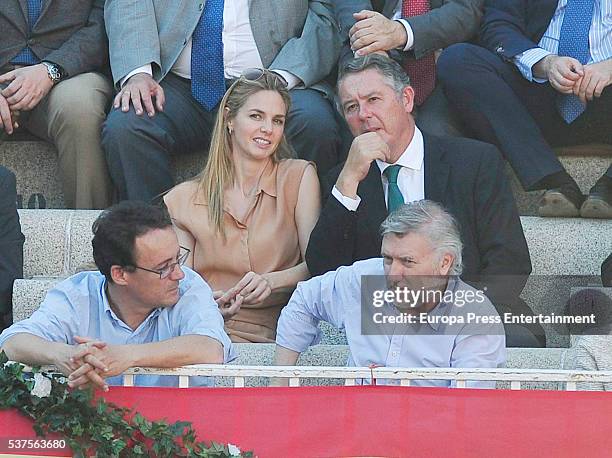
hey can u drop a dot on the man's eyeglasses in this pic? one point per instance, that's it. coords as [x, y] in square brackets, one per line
[167, 270]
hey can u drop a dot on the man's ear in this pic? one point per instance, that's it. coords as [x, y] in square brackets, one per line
[118, 274]
[408, 98]
[446, 262]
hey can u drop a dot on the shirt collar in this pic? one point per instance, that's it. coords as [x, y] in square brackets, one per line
[267, 184]
[110, 313]
[412, 157]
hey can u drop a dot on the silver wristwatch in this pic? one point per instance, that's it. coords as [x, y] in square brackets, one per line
[54, 71]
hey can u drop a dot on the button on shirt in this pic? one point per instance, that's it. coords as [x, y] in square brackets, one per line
[336, 298]
[79, 306]
[600, 39]
[239, 48]
[411, 178]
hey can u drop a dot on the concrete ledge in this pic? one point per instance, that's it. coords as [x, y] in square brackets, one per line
[337, 355]
[35, 164]
[36, 168]
[58, 242]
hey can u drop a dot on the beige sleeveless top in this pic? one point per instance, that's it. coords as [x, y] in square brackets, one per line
[266, 241]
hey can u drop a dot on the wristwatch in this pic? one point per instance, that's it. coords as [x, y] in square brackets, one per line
[54, 71]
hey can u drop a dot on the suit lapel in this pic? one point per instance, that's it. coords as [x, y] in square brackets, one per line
[436, 170]
[44, 8]
[375, 208]
[24, 9]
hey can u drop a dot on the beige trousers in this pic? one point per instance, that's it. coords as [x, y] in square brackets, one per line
[71, 118]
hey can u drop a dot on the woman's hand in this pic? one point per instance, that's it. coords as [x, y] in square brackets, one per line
[229, 303]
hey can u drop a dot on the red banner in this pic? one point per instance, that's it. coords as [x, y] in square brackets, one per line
[376, 420]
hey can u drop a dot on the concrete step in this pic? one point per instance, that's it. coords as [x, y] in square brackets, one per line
[586, 163]
[58, 243]
[35, 164]
[565, 253]
[36, 168]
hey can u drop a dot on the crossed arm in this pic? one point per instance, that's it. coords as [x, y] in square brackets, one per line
[91, 361]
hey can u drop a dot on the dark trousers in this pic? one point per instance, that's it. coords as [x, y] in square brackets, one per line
[138, 148]
[498, 105]
[11, 244]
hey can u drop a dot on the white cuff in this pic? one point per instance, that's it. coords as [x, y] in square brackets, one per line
[526, 60]
[144, 69]
[409, 34]
[348, 202]
[292, 80]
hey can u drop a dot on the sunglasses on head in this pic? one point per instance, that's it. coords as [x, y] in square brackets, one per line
[254, 74]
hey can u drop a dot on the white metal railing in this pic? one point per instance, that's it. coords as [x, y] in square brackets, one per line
[350, 375]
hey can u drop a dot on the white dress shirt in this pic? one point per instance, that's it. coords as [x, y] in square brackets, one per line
[410, 180]
[336, 297]
[239, 49]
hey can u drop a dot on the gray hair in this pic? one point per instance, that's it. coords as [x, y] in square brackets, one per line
[392, 72]
[431, 220]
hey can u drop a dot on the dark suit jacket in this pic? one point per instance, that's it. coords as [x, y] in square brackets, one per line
[69, 33]
[510, 27]
[467, 177]
[11, 240]
[448, 22]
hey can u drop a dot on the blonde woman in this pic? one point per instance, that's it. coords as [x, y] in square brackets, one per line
[248, 215]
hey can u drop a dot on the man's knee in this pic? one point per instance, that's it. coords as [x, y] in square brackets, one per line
[80, 101]
[455, 62]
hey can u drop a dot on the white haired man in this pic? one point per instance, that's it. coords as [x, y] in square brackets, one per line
[421, 251]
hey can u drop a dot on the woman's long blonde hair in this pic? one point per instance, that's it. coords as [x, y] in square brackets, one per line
[219, 170]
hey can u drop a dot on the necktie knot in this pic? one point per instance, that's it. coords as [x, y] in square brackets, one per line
[392, 172]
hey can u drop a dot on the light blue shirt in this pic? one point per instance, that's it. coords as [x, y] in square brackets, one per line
[78, 306]
[600, 39]
[335, 297]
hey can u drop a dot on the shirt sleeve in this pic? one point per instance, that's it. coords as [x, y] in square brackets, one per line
[56, 320]
[409, 35]
[320, 298]
[526, 60]
[290, 78]
[196, 312]
[349, 203]
[148, 69]
[479, 352]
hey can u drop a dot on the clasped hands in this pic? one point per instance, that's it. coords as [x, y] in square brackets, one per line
[251, 289]
[90, 362]
[568, 76]
[26, 88]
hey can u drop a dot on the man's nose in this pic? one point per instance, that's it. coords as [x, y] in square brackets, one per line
[177, 273]
[364, 112]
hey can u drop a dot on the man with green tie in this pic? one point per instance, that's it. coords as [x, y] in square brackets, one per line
[392, 162]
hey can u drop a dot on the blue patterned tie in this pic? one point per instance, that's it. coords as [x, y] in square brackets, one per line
[574, 42]
[26, 56]
[207, 76]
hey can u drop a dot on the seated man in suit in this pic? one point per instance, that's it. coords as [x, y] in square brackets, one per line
[11, 245]
[141, 309]
[391, 162]
[540, 78]
[412, 32]
[172, 62]
[49, 54]
[421, 254]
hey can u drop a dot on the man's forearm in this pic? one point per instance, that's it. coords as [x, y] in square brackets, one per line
[175, 352]
[30, 349]
[285, 357]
